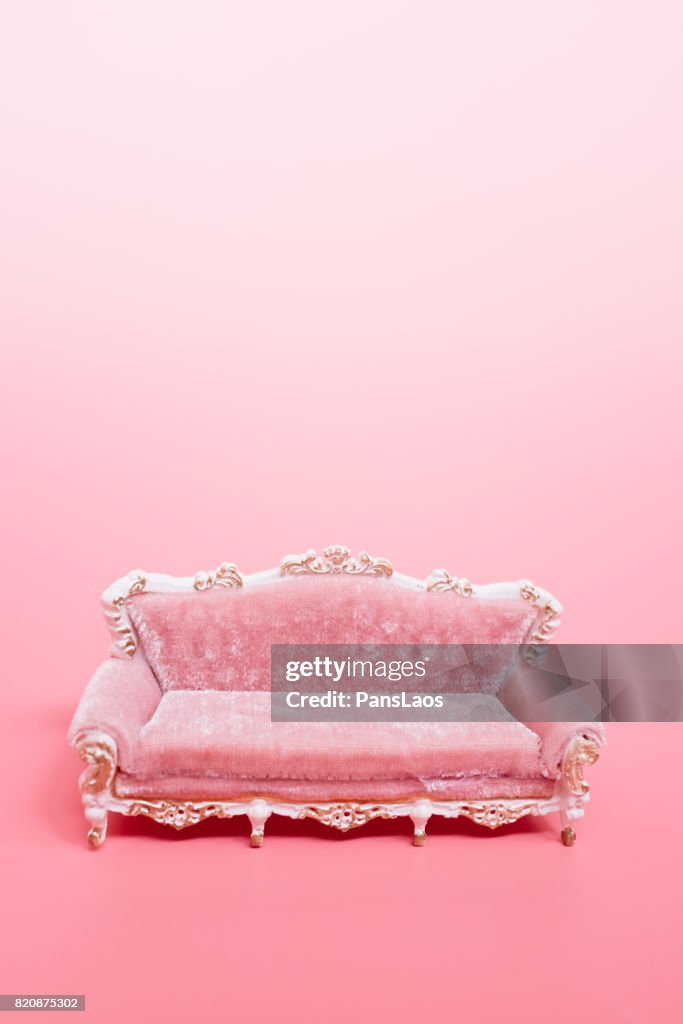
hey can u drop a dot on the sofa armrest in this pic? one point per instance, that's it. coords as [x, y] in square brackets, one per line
[528, 695]
[119, 699]
[585, 739]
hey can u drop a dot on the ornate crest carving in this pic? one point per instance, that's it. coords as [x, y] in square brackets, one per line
[226, 575]
[336, 560]
[440, 580]
[138, 583]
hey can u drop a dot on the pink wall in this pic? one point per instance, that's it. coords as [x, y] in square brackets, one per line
[281, 276]
[403, 276]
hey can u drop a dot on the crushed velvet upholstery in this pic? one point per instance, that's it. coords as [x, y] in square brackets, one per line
[190, 712]
[119, 699]
[230, 734]
[192, 787]
[221, 640]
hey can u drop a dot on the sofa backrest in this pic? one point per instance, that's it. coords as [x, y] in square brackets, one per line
[214, 631]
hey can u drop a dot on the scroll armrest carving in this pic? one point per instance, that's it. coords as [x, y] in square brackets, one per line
[99, 753]
[580, 753]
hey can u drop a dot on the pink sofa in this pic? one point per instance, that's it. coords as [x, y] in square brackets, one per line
[176, 725]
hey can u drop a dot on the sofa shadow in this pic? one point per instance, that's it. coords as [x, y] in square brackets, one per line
[57, 799]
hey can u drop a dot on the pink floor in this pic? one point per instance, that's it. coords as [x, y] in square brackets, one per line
[317, 926]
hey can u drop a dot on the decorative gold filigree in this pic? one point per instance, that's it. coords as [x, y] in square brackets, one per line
[346, 816]
[343, 815]
[177, 814]
[336, 560]
[138, 584]
[581, 752]
[100, 759]
[124, 634]
[549, 609]
[124, 638]
[493, 814]
[440, 580]
[226, 575]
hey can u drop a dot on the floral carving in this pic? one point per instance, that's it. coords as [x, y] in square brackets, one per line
[178, 815]
[336, 560]
[124, 638]
[493, 814]
[440, 580]
[138, 583]
[123, 634]
[346, 816]
[550, 610]
[226, 575]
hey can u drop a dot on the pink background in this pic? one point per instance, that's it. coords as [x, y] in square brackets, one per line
[401, 276]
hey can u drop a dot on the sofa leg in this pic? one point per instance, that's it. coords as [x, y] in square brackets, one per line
[97, 817]
[96, 837]
[568, 836]
[258, 813]
[567, 833]
[420, 816]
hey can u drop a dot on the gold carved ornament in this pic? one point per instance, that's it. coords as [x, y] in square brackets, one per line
[120, 625]
[347, 815]
[493, 814]
[342, 816]
[177, 814]
[100, 759]
[336, 560]
[226, 575]
[548, 610]
[442, 581]
[581, 752]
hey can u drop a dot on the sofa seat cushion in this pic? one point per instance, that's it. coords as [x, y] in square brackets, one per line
[192, 787]
[230, 734]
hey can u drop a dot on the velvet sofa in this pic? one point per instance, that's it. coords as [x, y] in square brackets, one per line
[176, 724]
